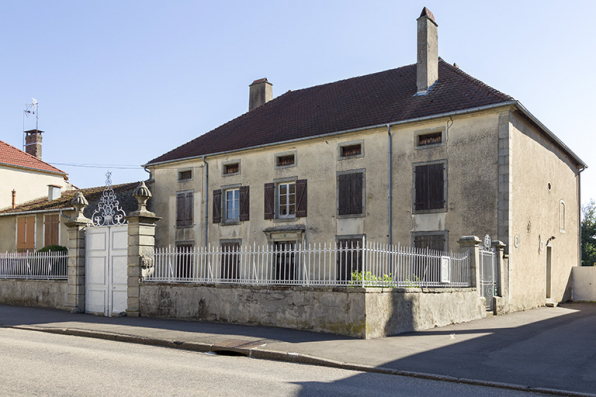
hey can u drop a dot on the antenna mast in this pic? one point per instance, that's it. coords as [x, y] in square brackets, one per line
[31, 108]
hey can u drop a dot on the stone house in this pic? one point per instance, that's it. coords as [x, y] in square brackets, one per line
[419, 155]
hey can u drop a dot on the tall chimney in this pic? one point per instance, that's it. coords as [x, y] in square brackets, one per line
[428, 51]
[33, 143]
[261, 92]
[14, 198]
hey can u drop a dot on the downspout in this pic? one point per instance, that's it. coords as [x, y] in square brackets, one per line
[579, 213]
[390, 186]
[206, 197]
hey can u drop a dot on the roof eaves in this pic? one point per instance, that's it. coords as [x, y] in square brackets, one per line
[34, 169]
[37, 211]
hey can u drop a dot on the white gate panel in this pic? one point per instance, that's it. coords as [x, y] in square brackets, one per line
[106, 262]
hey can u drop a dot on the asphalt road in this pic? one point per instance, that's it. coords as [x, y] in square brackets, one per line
[34, 363]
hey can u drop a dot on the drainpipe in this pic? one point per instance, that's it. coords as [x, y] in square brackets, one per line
[579, 213]
[390, 186]
[206, 197]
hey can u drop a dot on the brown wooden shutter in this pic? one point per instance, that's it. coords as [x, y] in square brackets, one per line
[421, 185]
[244, 203]
[356, 199]
[180, 209]
[51, 230]
[269, 200]
[344, 194]
[217, 206]
[301, 198]
[21, 233]
[188, 210]
[436, 186]
[30, 234]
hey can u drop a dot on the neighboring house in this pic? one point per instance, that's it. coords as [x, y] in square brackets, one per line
[25, 176]
[41, 222]
[423, 155]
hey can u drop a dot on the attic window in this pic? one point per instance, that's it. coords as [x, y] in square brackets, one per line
[351, 150]
[184, 175]
[283, 161]
[232, 168]
[434, 138]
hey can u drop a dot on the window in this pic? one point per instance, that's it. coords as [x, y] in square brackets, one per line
[231, 169]
[51, 230]
[430, 139]
[184, 175]
[432, 240]
[230, 265]
[430, 187]
[348, 150]
[283, 161]
[286, 199]
[351, 150]
[235, 206]
[349, 257]
[350, 193]
[26, 233]
[184, 209]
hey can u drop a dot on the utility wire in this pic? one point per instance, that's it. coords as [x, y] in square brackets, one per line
[105, 166]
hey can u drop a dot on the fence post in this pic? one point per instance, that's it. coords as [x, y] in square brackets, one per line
[141, 242]
[76, 255]
[499, 248]
[472, 244]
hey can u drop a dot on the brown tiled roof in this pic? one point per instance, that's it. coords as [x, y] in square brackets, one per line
[374, 99]
[12, 156]
[92, 195]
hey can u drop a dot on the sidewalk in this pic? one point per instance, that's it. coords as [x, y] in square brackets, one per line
[548, 350]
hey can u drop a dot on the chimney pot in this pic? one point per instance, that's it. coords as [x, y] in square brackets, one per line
[261, 92]
[427, 66]
[33, 142]
[14, 198]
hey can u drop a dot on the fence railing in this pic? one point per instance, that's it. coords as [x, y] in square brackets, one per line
[34, 265]
[356, 264]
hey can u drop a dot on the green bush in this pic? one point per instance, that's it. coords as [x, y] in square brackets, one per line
[53, 248]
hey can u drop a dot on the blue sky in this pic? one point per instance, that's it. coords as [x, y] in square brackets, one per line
[121, 82]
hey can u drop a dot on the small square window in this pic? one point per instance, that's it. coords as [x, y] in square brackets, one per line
[232, 168]
[286, 160]
[434, 138]
[184, 175]
[351, 150]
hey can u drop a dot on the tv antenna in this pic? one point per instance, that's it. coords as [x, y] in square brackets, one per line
[31, 109]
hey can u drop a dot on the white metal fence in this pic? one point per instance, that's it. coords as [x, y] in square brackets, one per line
[356, 264]
[34, 265]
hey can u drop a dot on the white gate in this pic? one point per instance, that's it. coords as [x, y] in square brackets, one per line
[488, 272]
[106, 260]
[106, 257]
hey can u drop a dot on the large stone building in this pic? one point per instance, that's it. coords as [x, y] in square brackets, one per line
[423, 154]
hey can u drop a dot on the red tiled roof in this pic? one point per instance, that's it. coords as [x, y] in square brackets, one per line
[374, 99]
[13, 156]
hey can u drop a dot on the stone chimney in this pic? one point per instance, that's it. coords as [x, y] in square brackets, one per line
[428, 52]
[33, 143]
[261, 92]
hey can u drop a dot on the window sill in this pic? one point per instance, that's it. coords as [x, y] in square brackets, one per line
[348, 216]
[434, 211]
[230, 223]
[185, 226]
[290, 219]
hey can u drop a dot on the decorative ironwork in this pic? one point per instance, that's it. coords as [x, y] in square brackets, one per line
[108, 212]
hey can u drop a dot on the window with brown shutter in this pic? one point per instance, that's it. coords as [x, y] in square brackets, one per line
[26, 233]
[350, 193]
[301, 198]
[184, 209]
[51, 230]
[429, 186]
[216, 216]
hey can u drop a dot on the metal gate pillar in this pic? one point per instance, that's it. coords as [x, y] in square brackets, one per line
[76, 255]
[141, 242]
[472, 244]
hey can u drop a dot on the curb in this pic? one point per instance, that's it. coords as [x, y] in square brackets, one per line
[289, 357]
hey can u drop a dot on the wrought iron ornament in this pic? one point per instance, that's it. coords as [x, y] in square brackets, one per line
[108, 212]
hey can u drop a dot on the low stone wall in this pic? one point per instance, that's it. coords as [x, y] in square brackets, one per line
[584, 283]
[38, 293]
[358, 312]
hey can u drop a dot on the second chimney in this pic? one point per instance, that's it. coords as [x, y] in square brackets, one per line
[33, 143]
[261, 92]
[428, 52]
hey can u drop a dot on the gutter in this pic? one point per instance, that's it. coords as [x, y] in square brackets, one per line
[414, 120]
[579, 215]
[390, 143]
[38, 211]
[206, 198]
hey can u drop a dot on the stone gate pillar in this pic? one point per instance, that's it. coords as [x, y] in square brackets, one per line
[141, 241]
[76, 255]
[472, 244]
[499, 300]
